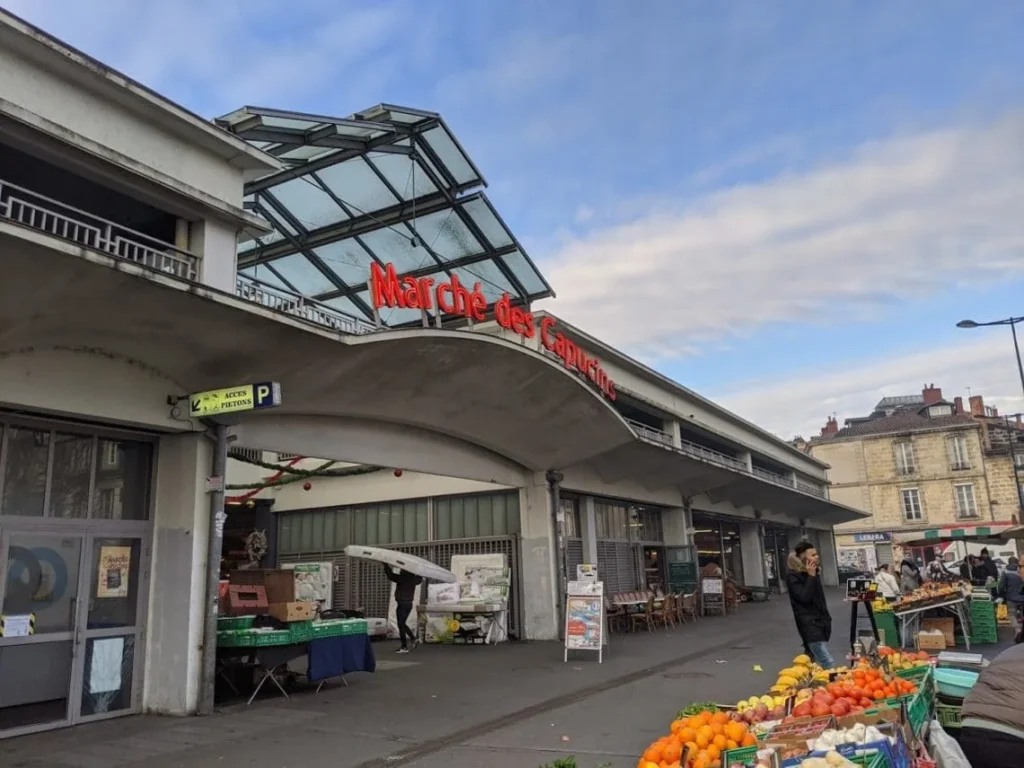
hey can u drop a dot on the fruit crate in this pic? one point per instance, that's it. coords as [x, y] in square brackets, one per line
[250, 638]
[300, 631]
[919, 711]
[948, 715]
[235, 622]
[743, 755]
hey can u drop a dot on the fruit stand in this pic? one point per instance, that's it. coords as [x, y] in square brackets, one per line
[873, 714]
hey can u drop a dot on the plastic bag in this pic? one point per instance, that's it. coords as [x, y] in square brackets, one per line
[944, 749]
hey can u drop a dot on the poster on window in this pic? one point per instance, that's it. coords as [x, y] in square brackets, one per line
[115, 563]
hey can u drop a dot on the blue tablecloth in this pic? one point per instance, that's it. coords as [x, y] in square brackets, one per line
[337, 656]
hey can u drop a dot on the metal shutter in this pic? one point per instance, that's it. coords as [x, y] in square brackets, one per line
[616, 566]
[573, 557]
[883, 554]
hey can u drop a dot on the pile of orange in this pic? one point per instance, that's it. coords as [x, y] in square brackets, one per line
[700, 739]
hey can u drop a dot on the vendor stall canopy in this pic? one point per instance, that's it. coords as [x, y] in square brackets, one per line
[387, 185]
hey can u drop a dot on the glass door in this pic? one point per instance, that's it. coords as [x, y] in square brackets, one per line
[111, 626]
[40, 580]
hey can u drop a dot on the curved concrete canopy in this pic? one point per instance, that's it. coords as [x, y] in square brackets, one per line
[473, 387]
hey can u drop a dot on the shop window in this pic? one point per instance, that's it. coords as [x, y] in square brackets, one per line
[646, 524]
[122, 480]
[611, 519]
[476, 516]
[70, 476]
[26, 454]
[570, 506]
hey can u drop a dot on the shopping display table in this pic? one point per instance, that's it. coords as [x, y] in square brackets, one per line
[911, 616]
[463, 623]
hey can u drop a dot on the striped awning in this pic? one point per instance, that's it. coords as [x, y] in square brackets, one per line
[989, 533]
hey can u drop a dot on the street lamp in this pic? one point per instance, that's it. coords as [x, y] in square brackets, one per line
[1010, 321]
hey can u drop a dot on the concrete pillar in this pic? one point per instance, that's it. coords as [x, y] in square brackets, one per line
[216, 244]
[672, 427]
[175, 631]
[540, 614]
[752, 551]
[674, 528]
[826, 546]
[588, 530]
[181, 234]
[747, 459]
[792, 478]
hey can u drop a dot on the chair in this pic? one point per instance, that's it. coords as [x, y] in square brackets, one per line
[660, 610]
[688, 607]
[731, 595]
[671, 610]
[644, 618]
[616, 614]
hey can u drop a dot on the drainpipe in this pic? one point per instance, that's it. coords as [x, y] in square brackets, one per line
[554, 479]
[213, 553]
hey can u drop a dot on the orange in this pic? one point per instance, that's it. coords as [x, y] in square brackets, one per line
[734, 731]
[720, 717]
[653, 754]
[713, 752]
[672, 753]
[719, 741]
[676, 725]
[717, 728]
[700, 762]
[702, 739]
[703, 718]
[730, 744]
[687, 734]
[749, 740]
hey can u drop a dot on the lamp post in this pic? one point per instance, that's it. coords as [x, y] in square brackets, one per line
[1010, 321]
[1011, 436]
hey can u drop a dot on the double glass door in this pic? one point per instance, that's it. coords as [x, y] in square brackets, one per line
[71, 621]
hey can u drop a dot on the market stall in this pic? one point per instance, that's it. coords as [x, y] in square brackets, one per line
[874, 713]
[472, 610]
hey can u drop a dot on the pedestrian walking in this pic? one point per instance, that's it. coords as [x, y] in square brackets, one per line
[910, 575]
[887, 583]
[405, 590]
[807, 597]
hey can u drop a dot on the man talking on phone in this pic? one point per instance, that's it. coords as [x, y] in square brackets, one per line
[807, 596]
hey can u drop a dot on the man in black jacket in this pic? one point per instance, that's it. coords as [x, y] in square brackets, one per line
[405, 592]
[807, 596]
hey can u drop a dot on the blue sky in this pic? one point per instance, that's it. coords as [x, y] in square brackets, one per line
[784, 205]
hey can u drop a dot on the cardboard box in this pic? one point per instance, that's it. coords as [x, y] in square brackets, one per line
[945, 626]
[278, 583]
[298, 610]
[244, 600]
[931, 640]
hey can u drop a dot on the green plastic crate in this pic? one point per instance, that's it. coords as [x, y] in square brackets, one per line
[235, 622]
[743, 755]
[338, 627]
[251, 638]
[300, 631]
[948, 715]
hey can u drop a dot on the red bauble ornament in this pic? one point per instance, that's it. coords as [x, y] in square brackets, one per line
[307, 485]
[398, 473]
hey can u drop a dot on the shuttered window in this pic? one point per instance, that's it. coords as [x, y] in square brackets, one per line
[477, 515]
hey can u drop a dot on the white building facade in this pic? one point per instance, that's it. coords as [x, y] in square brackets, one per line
[148, 254]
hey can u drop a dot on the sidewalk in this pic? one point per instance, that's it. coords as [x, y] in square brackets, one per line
[461, 707]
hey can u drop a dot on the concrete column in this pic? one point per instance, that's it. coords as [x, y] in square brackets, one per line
[175, 631]
[216, 244]
[672, 427]
[753, 554]
[540, 614]
[792, 478]
[674, 528]
[826, 546]
[747, 459]
[588, 526]
[181, 234]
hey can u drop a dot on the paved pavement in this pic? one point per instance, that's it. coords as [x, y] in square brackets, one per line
[513, 706]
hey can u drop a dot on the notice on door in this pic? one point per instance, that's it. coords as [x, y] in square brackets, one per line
[113, 572]
[105, 666]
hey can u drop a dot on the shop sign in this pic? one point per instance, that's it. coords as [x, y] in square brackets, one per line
[244, 397]
[451, 297]
[584, 618]
[872, 538]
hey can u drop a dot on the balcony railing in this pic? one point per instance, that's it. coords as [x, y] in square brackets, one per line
[720, 459]
[257, 292]
[44, 214]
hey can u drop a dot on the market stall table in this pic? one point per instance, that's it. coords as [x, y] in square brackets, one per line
[466, 624]
[912, 615]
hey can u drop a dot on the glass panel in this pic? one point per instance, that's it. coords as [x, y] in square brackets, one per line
[107, 685]
[265, 275]
[72, 471]
[308, 152]
[122, 480]
[114, 596]
[525, 273]
[347, 306]
[34, 684]
[488, 222]
[421, 521]
[329, 522]
[395, 246]
[393, 315]
[289, 122]
[357, 186]
[399, 170]
[443, 514]
[316, 525]
[285, 532]
[42, 578]
[383, 515]
[280, 223]
[308, 203]
[458, 518]
[492, 283]
[513, 519]
[347, 259]
[732, 552]
[300, 272]
[306, 532]
[447, 235]
[359, 526]
[452, 157]
[28, 451]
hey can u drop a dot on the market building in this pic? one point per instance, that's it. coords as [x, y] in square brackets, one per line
[921, 463]
[149, 254]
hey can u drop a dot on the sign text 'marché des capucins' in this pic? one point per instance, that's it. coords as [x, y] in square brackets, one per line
[451, 297]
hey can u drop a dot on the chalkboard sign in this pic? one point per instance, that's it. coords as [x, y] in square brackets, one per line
[682, 577]
[713, 595]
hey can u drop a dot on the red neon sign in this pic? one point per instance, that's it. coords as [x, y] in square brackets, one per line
[451, 297]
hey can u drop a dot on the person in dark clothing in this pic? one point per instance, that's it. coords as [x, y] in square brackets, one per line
[810, 610]
[992, 716]
[405, 592]
[987, 567]
[1011, 589]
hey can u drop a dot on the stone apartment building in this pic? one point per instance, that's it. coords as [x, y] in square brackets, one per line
[920, 462]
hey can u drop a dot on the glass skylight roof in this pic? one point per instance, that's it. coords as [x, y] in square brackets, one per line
[390, 185]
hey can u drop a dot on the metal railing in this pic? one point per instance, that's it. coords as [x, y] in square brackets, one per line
[253, 290]
[44, 214]
[720, 459]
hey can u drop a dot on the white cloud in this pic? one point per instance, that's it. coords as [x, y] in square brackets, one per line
[897, 219]
[800, 404]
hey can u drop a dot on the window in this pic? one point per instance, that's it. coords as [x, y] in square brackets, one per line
[251, 455]
[940, 410]
[286, 457]
[905, 464]
[958, 456]
[911, 504]
[571, 510]
[965, 506]
[611, 520]
[1018, 459]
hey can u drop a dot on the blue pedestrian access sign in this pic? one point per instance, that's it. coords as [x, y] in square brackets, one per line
[244, 397]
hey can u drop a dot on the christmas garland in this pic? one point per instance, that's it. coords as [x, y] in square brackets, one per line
[298, 475]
